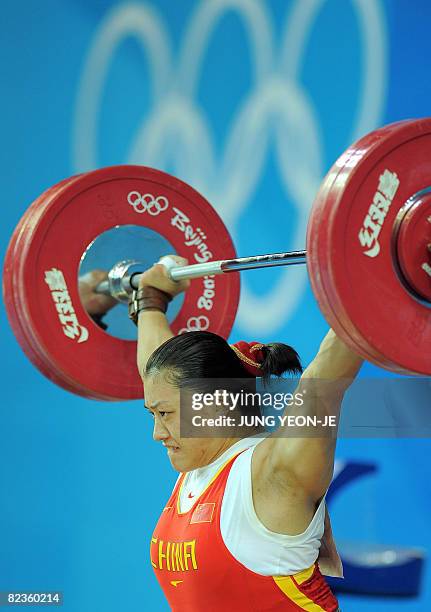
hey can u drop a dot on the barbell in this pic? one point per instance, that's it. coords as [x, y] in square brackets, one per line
[368, 258]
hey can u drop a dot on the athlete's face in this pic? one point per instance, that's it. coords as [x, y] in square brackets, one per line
[162, 399]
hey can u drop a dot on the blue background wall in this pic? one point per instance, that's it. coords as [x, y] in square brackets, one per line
[272, 92]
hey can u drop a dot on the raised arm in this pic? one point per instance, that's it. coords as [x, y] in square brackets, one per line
[153, 326]
[334, 361]
[308, 461]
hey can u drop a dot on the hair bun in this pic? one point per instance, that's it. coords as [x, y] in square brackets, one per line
[280, 359]
[266, 360]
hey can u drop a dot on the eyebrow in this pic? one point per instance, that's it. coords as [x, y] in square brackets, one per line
[155, 404]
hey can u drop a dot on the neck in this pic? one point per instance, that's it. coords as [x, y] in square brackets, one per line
[226, 443]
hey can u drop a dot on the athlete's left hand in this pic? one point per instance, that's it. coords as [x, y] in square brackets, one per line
[94, 303]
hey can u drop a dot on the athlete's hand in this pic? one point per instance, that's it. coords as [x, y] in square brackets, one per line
[157, 276]
[94, 303]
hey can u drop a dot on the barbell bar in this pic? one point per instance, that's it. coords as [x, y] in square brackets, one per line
[121, 282]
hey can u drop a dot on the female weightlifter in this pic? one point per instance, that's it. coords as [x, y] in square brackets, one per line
[246, 527]
[244, 524]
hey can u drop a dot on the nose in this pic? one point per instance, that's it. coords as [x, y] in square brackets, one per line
[159, 432]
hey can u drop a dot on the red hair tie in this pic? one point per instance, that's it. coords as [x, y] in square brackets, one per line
[251, 355]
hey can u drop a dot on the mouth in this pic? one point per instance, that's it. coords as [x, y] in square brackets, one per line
[171, 448]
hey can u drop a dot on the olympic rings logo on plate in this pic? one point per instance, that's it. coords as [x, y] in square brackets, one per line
[200, 323]
[277, 113]
[147, 203]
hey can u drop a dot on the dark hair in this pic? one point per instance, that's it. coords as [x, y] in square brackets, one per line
[204, 355]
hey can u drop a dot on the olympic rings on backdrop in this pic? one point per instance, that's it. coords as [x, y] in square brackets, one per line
[277, 112]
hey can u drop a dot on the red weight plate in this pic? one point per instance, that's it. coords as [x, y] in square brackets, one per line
[15, 304]
[346, 328]
[317, 240]
[413, 246]
[22, 325]
[352, 255]
[15, 298]
[12, 308]
[104, 366]
[23, 298]
[16, 301]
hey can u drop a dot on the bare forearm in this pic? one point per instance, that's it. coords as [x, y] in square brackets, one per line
[153, 327]
[328, 377]
[334, 360]
[153, 330]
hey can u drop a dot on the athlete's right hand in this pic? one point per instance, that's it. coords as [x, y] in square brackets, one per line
[157, 276]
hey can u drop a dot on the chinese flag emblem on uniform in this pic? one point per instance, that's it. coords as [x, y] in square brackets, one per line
[203, 513]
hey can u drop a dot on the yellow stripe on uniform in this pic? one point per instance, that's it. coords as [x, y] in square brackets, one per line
[289, 588]
[301, 577]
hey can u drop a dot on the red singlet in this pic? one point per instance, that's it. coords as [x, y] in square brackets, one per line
[198, 573]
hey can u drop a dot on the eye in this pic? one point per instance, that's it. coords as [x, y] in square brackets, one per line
[162, 414]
